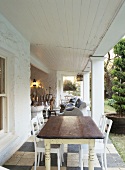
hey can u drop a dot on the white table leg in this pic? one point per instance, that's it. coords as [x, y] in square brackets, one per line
[91, 154]
[47, 154]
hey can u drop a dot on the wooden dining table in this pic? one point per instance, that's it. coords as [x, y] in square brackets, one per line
[70, 130]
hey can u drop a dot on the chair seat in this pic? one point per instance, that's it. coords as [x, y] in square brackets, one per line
[40, 144]
[99, 147]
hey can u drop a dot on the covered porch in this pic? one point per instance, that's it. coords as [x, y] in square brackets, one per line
[46, 40]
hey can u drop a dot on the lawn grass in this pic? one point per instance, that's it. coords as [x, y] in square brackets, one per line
[117, 140]
[108, 109]
[119, 143]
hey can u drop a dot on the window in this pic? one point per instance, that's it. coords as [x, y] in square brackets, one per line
[2, 92]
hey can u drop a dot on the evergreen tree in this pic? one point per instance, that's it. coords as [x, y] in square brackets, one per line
[118, 74]
[69, 86]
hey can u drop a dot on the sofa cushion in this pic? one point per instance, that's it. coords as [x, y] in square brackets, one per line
[73, 100]
[78, 103]
[69, 108]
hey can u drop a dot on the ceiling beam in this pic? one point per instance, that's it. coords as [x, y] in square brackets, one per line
[115, 32]
[38, 64]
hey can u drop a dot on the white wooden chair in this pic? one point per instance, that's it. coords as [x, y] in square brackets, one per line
[100, 147]
[39, 145]
[36, 110]
[40, 121]
[102, 123]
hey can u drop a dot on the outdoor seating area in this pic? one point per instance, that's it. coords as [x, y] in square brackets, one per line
[24, 158]
[75, 106]
[59, 62]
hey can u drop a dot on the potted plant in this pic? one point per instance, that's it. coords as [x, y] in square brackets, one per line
[118, 89]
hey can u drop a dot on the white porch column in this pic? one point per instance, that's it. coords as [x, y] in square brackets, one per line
[86, 87]
[97, 88]
[86, 91]
[58, 93]
[58, 97]
[81, 91]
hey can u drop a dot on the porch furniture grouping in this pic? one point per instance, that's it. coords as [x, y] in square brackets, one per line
[70, 130]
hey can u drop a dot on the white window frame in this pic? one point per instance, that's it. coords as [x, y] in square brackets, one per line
[4, 104]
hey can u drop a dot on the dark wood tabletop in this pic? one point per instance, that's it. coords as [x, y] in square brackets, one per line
[70, 127]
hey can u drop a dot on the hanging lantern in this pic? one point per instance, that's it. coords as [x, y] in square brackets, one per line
[79, 77]
[34, 82]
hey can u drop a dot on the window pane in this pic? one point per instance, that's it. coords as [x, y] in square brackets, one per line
[1, 115]
[2, 75]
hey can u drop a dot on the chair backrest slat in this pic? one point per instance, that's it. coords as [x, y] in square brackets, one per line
[107, 130]
[34, 126]
[41, 122]
[102, 123]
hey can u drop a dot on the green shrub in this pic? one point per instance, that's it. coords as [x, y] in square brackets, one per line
[118, 75]
[111, 102]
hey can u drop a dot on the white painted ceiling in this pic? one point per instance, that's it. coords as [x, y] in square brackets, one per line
[64, 33]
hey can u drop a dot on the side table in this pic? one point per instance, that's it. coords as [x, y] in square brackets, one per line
[55, 111]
